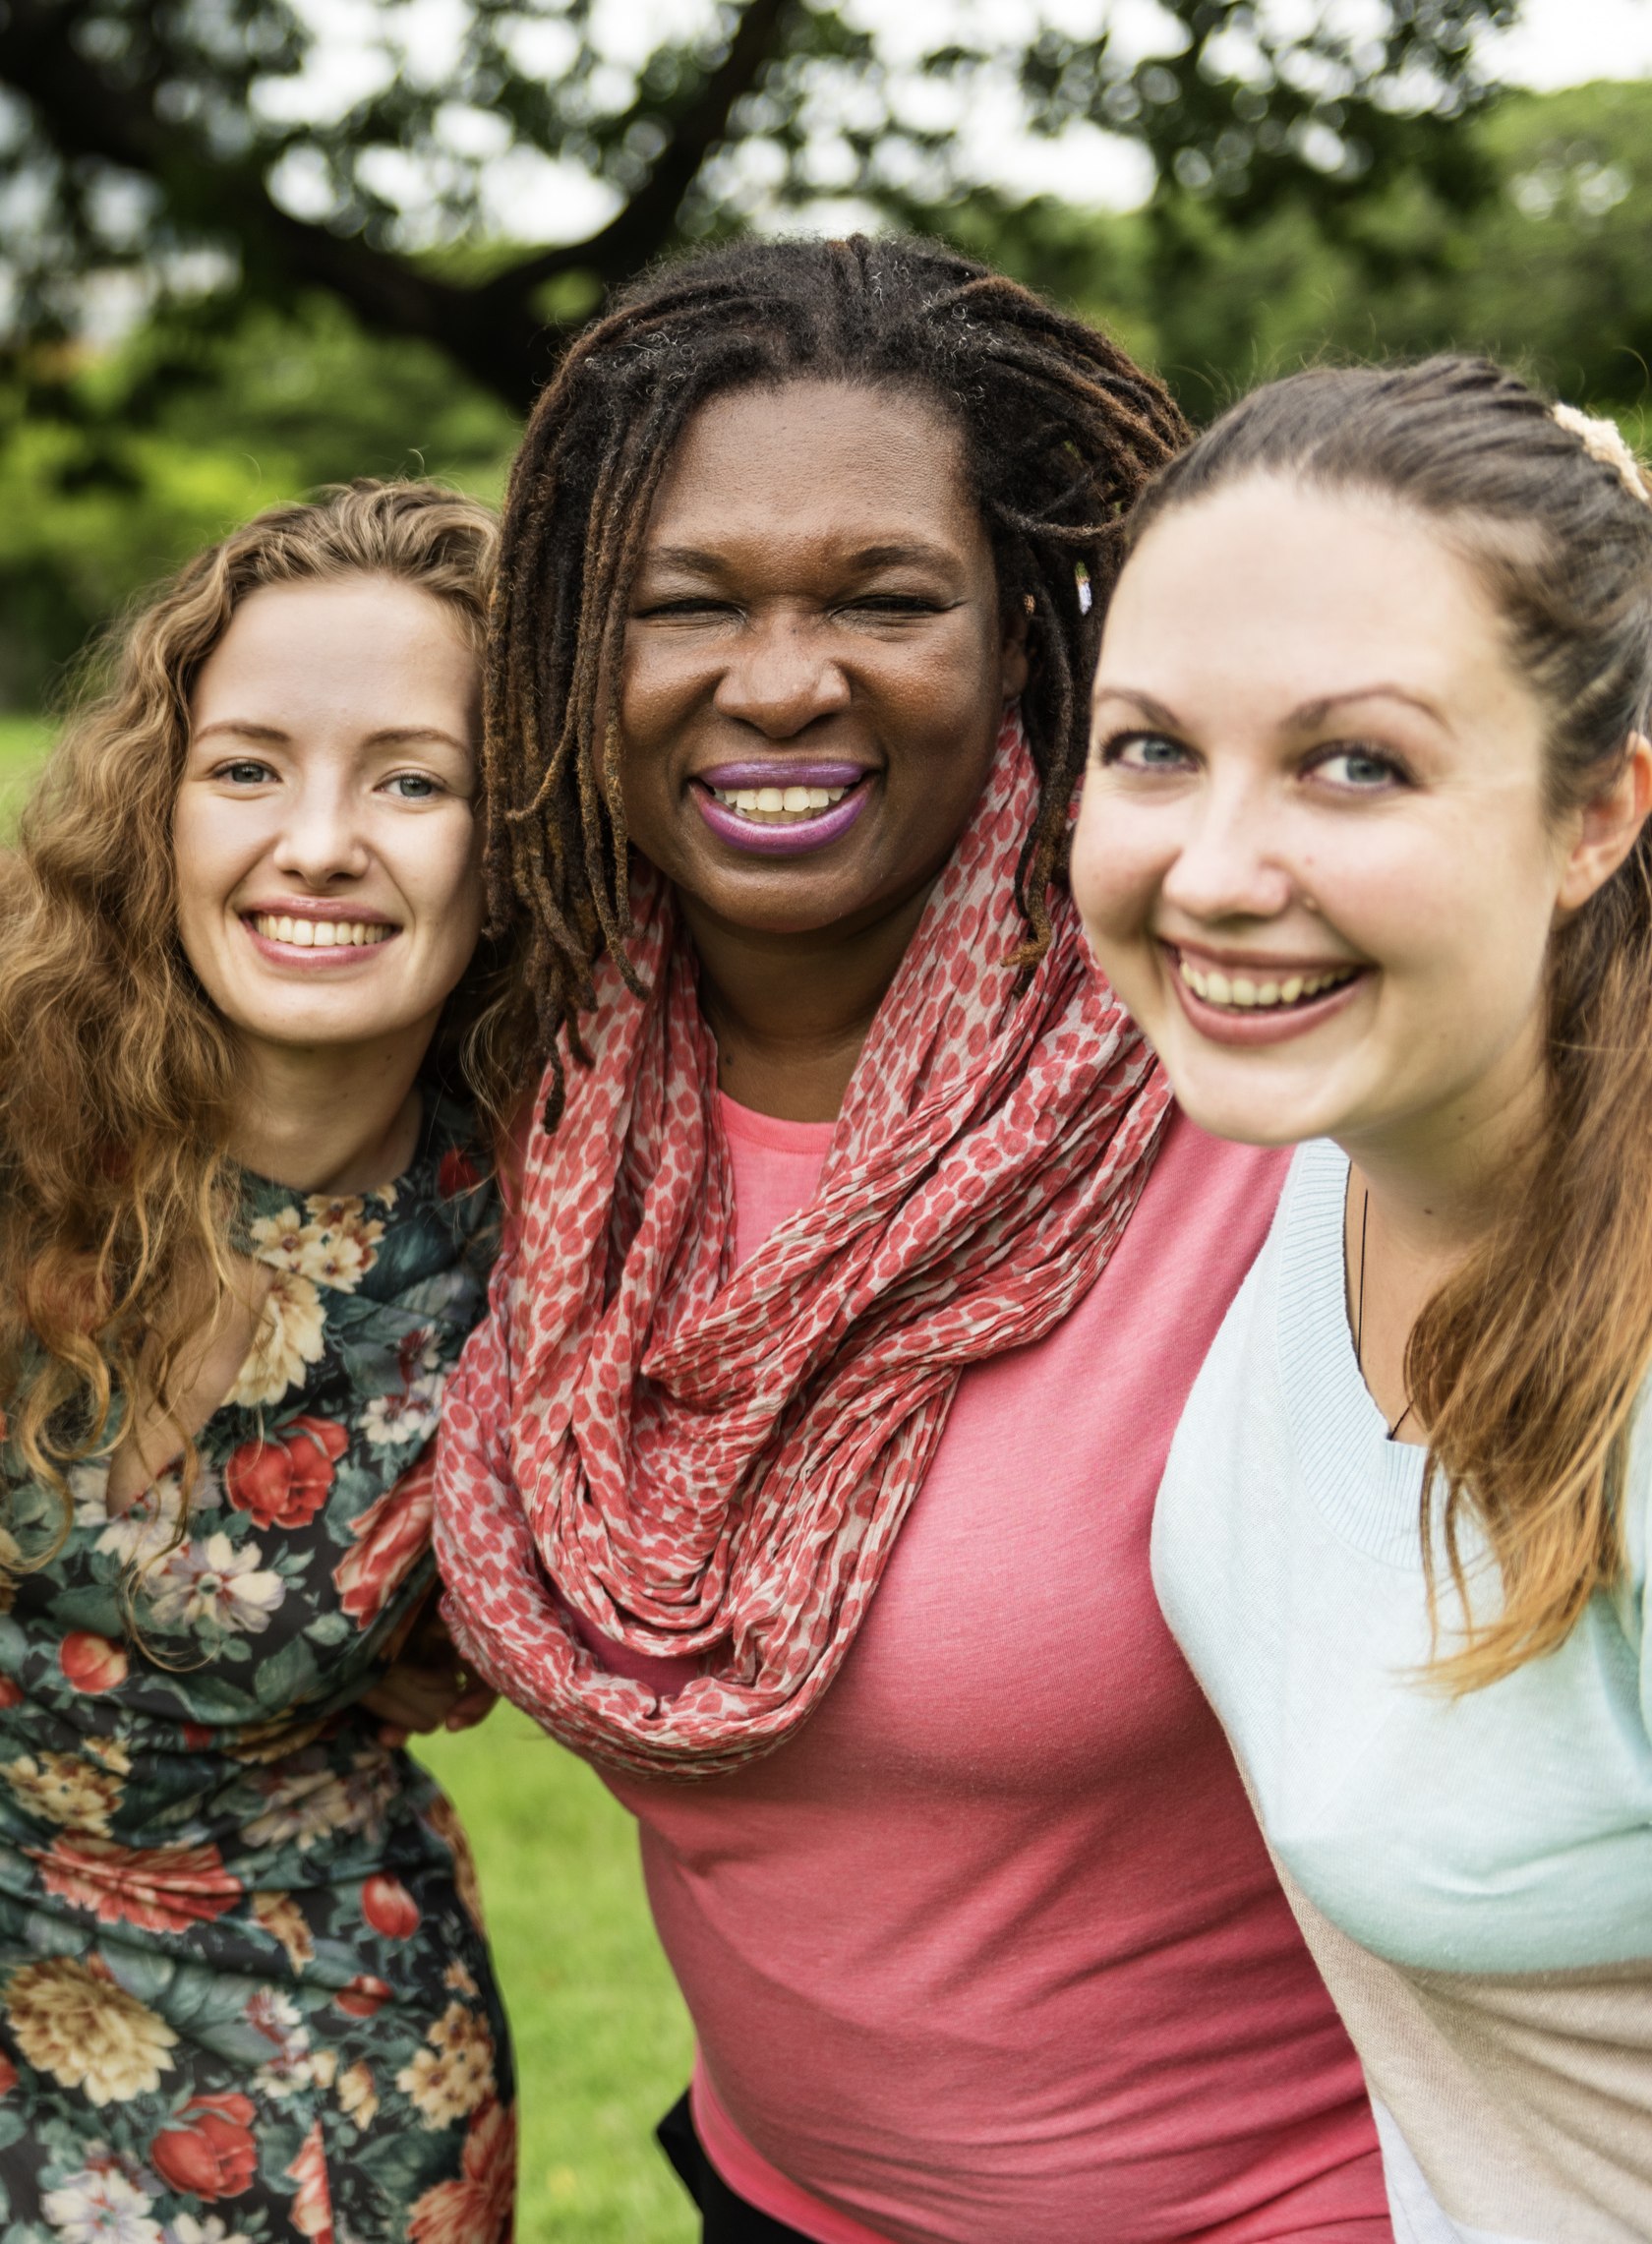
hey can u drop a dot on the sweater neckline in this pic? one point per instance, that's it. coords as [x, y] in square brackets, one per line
[772, 1132]
[1368, 1487]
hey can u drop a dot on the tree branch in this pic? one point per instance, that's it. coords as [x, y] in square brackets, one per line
[85, 118]
[638, 232]
[490, 329]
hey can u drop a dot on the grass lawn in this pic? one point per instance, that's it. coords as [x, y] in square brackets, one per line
[601, 2042]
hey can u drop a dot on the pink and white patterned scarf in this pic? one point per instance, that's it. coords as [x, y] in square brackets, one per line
[715, 1461]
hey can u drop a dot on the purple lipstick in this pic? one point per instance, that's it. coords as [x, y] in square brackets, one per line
[772, 835]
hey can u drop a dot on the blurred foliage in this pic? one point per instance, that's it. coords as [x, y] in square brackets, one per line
[114, 469]
[113, 473]
[205, 144]
[1551, 273]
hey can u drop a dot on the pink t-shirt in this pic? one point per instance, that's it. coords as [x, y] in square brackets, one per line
[990, 1952]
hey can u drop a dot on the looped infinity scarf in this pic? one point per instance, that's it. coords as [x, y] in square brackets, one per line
[713, 1461]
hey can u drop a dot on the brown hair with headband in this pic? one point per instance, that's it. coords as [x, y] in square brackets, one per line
[1526, 1365]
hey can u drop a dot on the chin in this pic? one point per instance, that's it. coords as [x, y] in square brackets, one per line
[787, 897]
[1250, 1113]
[1239, 1120]
[314, 1032]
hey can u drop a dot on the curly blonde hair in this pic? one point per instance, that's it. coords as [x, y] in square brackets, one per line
[118, 1077]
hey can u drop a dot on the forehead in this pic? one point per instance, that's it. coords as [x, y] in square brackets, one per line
[347, 648]
[1268, 586]
[815, 458]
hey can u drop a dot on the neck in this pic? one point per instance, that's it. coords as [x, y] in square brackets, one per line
[328, 1118]
[1437, 1182]
[791, 1013]
[1422, 1196]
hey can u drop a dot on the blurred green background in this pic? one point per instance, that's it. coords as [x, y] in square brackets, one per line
[127, 458]
[603, 2045]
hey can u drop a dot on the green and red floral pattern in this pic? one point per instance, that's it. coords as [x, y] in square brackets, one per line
[244, 1990]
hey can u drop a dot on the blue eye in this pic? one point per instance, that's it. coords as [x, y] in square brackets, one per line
[244, 773]
[413, 786]
[1144, 752]
[1362, 771]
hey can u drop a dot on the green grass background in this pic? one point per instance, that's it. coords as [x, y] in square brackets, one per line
[603, 2044]
[602, 2041]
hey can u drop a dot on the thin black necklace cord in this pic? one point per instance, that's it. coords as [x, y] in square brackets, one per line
[1359, 1313]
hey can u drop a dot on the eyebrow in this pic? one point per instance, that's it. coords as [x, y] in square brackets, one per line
[1304, 717]
[242, 730]
[386, 736]
[1155, 712]
[893, 554]
[1310, 712]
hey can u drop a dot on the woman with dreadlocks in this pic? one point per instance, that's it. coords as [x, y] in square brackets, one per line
[802, 1474]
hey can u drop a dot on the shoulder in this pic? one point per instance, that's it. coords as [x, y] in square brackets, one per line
[1233, 1468]
[1208, 1199]
[1284, 1336]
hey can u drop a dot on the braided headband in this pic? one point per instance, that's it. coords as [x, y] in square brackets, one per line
[1603, 440]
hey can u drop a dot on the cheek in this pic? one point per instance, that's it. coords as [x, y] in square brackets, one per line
[661, 685]
[1448, 904]
[951, 683]
[657, 700]
[1120, 855]
[443, 879]
[210, 855]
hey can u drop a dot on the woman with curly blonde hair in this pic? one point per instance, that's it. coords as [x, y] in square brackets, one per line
[253, 1049]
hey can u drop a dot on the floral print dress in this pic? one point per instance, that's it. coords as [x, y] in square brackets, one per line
[244, 1989]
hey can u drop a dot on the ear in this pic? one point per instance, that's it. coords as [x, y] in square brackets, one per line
[1013, 660]
[1609, 828]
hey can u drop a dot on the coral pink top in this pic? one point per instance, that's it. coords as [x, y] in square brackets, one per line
[991, 1950]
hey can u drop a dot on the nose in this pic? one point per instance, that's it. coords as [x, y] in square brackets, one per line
[782, 677]
[321, 839]
[1231, 864]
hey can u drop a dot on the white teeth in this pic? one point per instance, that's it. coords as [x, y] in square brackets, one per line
[1244, 995]
[324, 934]
[775, 805]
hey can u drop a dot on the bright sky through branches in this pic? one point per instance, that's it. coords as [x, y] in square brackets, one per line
[531, 196]
[1558, 42]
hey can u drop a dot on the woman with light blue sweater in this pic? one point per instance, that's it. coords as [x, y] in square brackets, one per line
[1364, 848]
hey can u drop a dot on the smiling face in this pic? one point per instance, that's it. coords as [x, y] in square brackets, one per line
[815, 664]
[1314, 855]
[326, 849]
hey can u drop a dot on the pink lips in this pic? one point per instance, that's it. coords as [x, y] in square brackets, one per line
[797, 834]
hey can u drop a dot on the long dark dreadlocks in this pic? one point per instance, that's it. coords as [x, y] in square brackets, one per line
[1061, 433]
